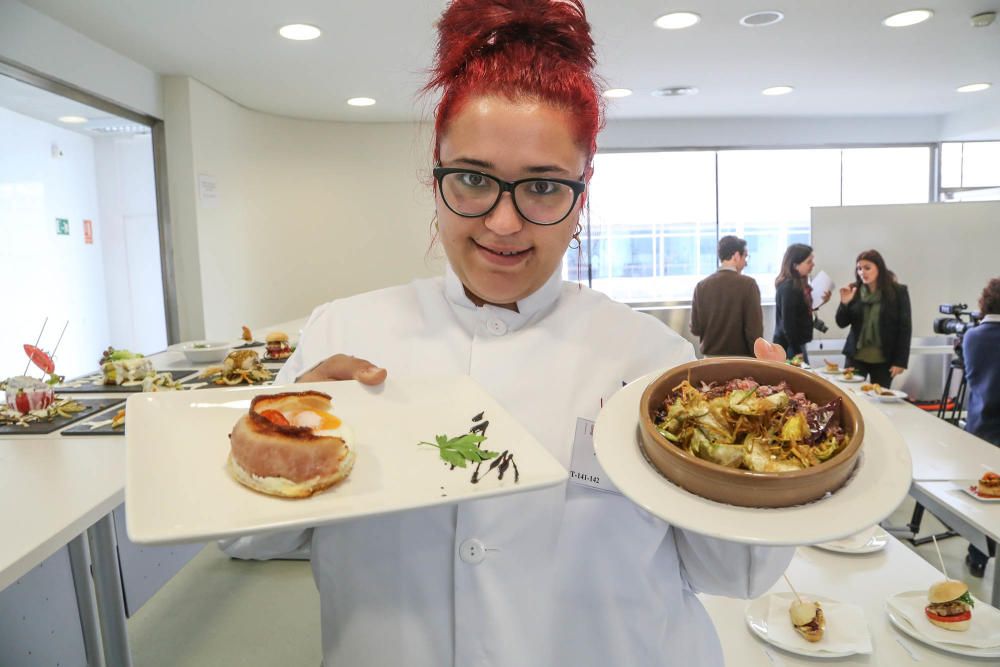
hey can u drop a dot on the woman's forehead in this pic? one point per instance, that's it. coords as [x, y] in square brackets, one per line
[513, 136]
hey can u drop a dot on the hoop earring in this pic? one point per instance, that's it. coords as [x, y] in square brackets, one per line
[576, 237]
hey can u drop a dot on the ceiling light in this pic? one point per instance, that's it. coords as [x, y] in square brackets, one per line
[677, 20]
[612, 93]
[677, 91]
[361, 101]
[758, 19]
[984, 20]
[300, 32]
[972, 87]
[72, 119]
[908, 18]
[777, 90]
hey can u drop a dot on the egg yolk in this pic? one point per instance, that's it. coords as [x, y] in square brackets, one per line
[316, 420]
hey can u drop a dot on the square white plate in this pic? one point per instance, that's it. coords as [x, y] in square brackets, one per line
[177, 488]
[970, 487]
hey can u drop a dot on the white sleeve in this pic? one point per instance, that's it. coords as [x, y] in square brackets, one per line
[313, 346]
[289, 544]
[719, 567]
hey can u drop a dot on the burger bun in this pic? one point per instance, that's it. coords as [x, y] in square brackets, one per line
[946, 591]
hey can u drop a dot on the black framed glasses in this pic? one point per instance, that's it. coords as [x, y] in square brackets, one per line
[540, 201]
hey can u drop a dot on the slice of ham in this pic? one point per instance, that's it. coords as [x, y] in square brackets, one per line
[266, 449]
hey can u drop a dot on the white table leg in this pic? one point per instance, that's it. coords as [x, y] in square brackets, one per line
[110, 596]
[86, 600]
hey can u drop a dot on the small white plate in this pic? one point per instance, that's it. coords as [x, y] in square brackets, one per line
[867, 541]
[904, 625]
[856, 378]
[757, 614]
[827, 371]
[204, 351]
[177, 488]
[970, 486]
[879, 483]
[896, 396]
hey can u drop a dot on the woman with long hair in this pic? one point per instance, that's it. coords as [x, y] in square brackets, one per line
[793, 302]
[877, 308]
[567, 575]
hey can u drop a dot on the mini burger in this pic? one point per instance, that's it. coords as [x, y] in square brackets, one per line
[807, 617]
[989, 485]
[277, 346]
[290, 445]
[950, 605]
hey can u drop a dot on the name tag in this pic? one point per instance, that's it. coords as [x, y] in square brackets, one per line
[583, 467]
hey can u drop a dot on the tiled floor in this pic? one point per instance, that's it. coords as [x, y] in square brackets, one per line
[222, 612]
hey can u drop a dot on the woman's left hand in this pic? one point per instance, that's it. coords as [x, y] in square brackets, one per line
[896, 370]
[768, 351]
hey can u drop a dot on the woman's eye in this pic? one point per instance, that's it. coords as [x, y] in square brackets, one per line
[473, 180]
[543, 187]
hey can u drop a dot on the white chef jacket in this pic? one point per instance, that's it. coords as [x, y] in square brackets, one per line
[571, 575]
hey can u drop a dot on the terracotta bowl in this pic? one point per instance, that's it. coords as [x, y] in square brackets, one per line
[744, 487]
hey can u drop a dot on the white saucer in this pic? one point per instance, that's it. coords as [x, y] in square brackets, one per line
[877, 486]
[756, 617]
[896, 397]
[867, 541]
[856, 378]
[904, 626]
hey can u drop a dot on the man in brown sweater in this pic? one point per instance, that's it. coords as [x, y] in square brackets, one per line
[725, 309]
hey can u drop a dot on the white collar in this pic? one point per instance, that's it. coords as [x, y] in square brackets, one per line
[992, 317]
[728, 268]
[530, 308]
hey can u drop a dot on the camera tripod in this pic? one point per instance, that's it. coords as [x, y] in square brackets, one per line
[956, 408]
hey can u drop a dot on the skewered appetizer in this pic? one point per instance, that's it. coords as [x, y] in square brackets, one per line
[277, 346]
[25, 394]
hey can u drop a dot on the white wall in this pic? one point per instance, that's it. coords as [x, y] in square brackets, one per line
[44, 274]
[976, 124]
[134, 287]
[306, 211]
[752, 132]
[31, 38]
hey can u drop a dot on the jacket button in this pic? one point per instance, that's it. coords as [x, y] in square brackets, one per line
[472, 551]
[496, 327]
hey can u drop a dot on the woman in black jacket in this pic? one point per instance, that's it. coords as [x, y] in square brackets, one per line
[793, 326]
[877, 308]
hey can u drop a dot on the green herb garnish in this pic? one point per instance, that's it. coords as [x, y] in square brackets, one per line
[457, 451]
[967, 599]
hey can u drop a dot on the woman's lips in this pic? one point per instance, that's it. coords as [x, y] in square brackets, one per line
[502, 256]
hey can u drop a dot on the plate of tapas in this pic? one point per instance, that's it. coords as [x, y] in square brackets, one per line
[985, 489]
[752, 451]
[203, 465]
[810, 625]
[882, 394]
[948, 618]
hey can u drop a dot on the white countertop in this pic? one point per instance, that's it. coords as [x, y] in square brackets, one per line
[984, 516]
[865, 580]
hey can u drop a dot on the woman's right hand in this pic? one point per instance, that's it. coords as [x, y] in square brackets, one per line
[847, 293]
[343, 367]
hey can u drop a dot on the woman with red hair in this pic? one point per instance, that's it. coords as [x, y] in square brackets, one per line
[569, 575]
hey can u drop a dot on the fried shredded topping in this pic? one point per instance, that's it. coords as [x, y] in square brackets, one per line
[744, 424]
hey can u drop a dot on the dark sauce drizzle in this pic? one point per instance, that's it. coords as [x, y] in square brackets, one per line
[500, 463]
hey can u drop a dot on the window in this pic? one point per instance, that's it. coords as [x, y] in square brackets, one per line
[655, 217]
[970, 171]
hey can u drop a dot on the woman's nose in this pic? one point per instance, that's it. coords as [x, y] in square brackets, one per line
[504, 218]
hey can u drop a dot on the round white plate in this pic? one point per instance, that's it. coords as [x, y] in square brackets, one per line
[756, 617]
[827, 371]
[856, 378]
[877, 486]
[897, 395]
[907, 628]
[866, 542]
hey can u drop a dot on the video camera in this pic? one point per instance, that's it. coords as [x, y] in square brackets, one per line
[956, 325]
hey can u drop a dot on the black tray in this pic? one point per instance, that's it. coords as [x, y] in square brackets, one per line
[192, 383]
[93, 384]
[83, 428]
[91, 407]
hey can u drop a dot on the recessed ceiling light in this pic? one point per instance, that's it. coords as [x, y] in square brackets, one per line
[777, 90]
[984, 20]
[972, 87]
[361, 101]
[72, 119]
[677, 20]
[676, 91]
[300, 32]
[758, 19]
[612, 93]
[908, 18]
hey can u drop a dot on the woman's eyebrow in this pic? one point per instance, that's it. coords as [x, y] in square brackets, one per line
[488, 166]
